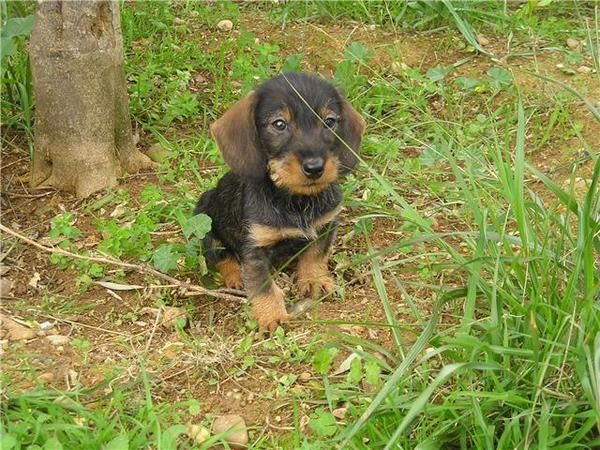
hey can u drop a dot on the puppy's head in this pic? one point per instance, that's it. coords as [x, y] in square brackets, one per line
[296, 128]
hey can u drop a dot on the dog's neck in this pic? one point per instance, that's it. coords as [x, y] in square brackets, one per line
[289, 207]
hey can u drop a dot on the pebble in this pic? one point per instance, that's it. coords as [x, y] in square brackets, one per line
[572, 43]
[584, 69]
[197, 433]
[482, 40]
[5, 287]
[72, 377]
[238, 437]
[225, 25]
[46, 377]
[57, 339]
[304, 420]
[14, 330]
[340, 413]
[157, 153]
[46, 325]
[305, 376]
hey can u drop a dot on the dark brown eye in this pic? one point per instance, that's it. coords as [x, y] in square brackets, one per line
[279, 125]
[330, 122]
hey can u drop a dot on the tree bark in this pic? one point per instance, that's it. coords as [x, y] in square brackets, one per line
[82, 133]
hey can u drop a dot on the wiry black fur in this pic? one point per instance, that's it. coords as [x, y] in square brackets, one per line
[235, 203]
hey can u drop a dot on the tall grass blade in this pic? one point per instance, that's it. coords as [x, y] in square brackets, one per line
[421, 401]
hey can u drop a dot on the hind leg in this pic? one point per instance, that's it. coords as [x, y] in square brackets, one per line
[224, 260]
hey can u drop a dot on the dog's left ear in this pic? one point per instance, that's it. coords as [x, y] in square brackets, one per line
[352, 130]
[237, 138]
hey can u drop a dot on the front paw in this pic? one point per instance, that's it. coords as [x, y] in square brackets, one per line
[315, 286]
[269, 309]
[230, 270]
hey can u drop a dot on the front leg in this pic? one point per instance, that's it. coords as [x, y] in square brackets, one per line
[268, 306]
[312, 276]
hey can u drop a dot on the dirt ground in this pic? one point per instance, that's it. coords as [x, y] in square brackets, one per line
[115, 332]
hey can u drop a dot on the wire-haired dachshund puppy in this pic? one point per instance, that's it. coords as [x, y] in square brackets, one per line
[286, 142]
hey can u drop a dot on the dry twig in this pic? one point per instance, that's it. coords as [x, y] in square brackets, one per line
[188, 289]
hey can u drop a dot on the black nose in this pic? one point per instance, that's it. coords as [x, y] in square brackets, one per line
[313, 167]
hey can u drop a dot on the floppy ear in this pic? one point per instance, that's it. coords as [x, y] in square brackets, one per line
[237, 138]
[353, 128]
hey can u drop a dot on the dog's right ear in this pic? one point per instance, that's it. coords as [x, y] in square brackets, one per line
[237, 138]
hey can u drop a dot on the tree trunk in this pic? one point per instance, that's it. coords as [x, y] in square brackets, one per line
[82, 132]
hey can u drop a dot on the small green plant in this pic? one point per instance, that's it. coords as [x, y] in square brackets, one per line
[83, 346]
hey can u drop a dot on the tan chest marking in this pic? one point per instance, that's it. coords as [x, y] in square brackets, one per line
[267, 236]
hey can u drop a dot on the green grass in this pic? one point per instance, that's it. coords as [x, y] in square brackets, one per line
[17, 96]
[485, 268]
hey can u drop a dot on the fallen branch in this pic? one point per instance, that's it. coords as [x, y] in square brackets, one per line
[188, 289]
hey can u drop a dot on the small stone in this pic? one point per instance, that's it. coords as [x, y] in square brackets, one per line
[34, 280]
[58, 339]
[121, 210]
[235, 426]
[483, 41]
[79, 421]
[46, 325]
[46, 377]
[197, 433]
[157, 153]
[72, 377]
[5, 287]
[340, 413]
[584, 69]
[304, 376]
[173, 317]
[14, 330]
[304, 420]
[178, 21]
[225, 25]
[564, 69]
[60, 350]
[573, 44]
